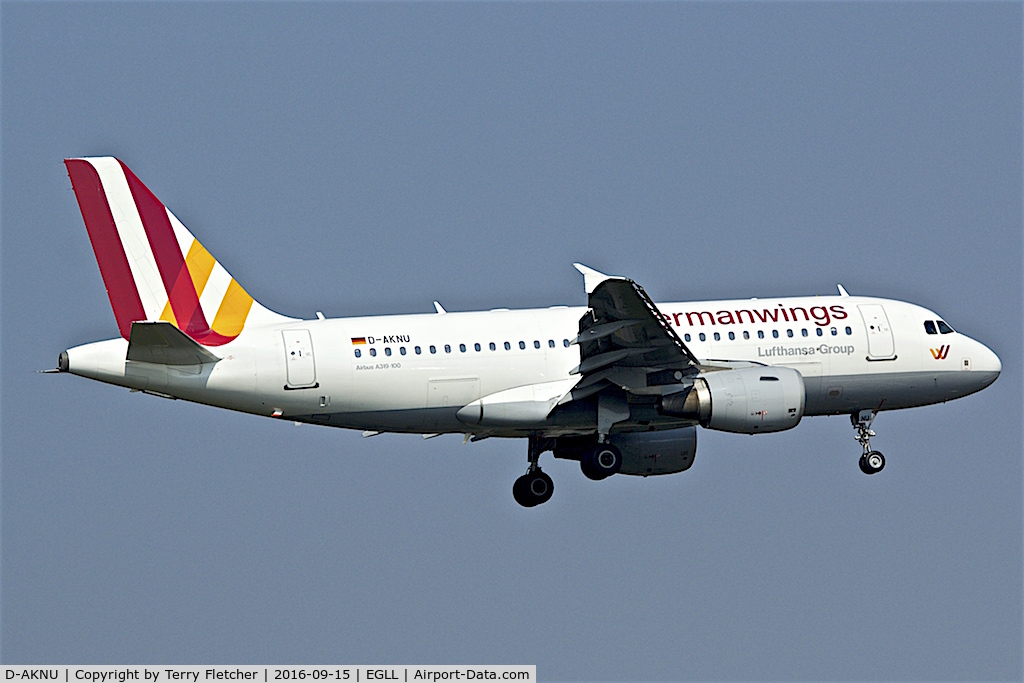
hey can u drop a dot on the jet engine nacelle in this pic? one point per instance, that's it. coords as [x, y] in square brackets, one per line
[649, 453]
[744, 401]
[643, 453]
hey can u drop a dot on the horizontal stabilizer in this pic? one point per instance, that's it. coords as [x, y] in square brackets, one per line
[162, 342]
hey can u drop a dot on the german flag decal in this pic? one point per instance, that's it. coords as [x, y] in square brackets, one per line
[358, 340]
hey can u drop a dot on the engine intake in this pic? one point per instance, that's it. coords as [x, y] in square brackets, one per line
[744, 401]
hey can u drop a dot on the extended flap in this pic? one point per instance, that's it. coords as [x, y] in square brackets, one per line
[162, 342]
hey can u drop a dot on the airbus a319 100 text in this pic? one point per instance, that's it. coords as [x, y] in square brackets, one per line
[620, 385]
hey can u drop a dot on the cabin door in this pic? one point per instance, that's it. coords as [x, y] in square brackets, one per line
[880, 342]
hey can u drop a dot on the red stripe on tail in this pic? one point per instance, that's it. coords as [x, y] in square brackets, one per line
[106, 244]
[169, 259]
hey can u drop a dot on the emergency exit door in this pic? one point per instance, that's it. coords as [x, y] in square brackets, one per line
[298, 355]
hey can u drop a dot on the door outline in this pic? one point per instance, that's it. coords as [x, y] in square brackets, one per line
[452, 392]
[881, 344]
[299, 360]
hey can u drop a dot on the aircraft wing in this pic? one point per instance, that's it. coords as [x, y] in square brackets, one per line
[624, 341]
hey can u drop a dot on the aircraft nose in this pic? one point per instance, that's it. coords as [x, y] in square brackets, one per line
[986, 364]
[989, 361]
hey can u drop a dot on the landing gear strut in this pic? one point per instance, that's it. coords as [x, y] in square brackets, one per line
[534, 487]
[871, 462]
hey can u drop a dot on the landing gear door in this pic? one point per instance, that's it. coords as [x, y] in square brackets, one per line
[880, 342]
[298, 355]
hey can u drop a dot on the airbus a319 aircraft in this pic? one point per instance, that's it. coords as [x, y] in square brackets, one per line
[619, 385]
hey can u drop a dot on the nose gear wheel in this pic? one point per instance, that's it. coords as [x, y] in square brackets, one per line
[871, 462]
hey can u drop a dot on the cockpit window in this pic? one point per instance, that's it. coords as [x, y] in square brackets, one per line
[944, 328]
[929, 327]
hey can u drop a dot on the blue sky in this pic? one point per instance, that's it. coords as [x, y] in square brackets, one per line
[368, 158]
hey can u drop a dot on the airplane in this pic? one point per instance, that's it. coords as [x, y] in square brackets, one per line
[619, 385]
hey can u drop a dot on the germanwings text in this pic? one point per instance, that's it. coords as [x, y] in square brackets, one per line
[819, 315]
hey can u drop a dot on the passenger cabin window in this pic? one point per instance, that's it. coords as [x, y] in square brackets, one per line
[373, 352]
[401, 350]
[417, 350]
[387, 351]
[507, 346]
[760, 334]
[732, 335]
[522, 345]
[834, 332]
[686, 336]
[718, 337]
[433, 349]
[803, 332]
[476, 347]
[551, 343]
[789, 333]
[944, 328]
[703, 337]
[447, 348]
[775, 334]
[819, 332]
[746, 335]
[929, 327]
[849, 331]
[358, 353]
[462, 348]
[492, 347]
[536, 344]
[565, 343]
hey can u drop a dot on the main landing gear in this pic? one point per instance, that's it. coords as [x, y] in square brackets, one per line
[871, 462]
[601, 461]
[534, 487]
[597, 460]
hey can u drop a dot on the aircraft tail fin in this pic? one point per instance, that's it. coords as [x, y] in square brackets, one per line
[153, 268]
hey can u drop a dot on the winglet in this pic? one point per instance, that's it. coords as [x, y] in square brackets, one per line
[842, 291]
[439, 308]
[592, 278]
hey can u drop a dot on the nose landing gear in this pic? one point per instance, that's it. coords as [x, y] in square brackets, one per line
[871, 462]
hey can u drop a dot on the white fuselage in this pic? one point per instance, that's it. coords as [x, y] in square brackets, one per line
[412, 373]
